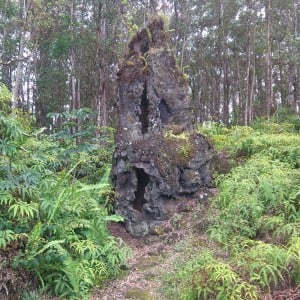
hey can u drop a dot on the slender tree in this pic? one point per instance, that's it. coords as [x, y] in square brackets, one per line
[268, 59]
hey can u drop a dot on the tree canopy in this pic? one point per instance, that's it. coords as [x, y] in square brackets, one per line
[241, 56]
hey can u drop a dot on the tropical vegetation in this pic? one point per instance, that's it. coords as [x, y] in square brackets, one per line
[255, 219]
[55, 201]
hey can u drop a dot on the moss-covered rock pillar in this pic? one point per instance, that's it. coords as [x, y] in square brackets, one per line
[159, 160]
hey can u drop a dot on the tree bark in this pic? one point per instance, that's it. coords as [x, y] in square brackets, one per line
[268, 59]
[296, 73]
[250, 67]
[24, 7]
[102, 73]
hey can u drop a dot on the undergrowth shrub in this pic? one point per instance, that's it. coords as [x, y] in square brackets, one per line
[244, 141]
[255, 218]
[294, 257]
[76, 135]
[284, 120]
[54, 209]
[205, 277]
[260, 199]
[265, 265]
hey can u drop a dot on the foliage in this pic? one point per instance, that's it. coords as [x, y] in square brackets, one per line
[76, 52]
[76, 135]
[284, 120]
[5, 97]
[254, 220]
[30, 295]
[243, 141]
[205, 277]
[266, 265]
[260, 186]
[54, 209]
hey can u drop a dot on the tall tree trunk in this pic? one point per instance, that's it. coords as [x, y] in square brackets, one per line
[282, 79]
[268, 60]
[24, 6]
[75, 82]
[236, 108]
[102, 73]
[225, 66]
[296, 71]
[216, 101]
[75, 86]
[101, 103]
[250, 67]
[252, 84]
[4, 63]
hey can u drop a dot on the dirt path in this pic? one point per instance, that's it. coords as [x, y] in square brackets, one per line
[156, 255]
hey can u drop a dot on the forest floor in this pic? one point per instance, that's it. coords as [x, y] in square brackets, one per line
[154, 256]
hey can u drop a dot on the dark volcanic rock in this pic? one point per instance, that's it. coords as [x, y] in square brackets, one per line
[158, 156]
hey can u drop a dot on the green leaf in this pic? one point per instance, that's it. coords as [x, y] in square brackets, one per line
[22, 210]
[6, 236]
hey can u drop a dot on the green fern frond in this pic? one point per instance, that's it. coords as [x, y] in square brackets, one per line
[6, 199]
[287, 231]
[21, 210]
[270, 223]
[220, 272]
[71, 271]
[87, 248]
[294, 246]
[6, 237]
[56, 244]
[93, 187]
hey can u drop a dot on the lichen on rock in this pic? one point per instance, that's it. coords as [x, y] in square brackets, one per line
[158, 156]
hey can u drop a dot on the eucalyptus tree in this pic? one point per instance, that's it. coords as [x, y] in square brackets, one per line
[8, 40]
[241, 57]
[204, 48]
[76, 52]
[286, 62]
[50, 44]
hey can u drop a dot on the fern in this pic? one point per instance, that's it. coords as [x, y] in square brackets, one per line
[55, 244]
[266, 264]
[7, 147]
[287, 231]
[267, 224]
[51, 204]
[259, 199]
[220, 272]
[6, 237]
[6, 199]
[87, 248]
[70, 269]
[294, 258]
[294, 247]
[22, 210]
[207, 278]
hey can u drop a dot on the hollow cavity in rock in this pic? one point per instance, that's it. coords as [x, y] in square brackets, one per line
[142, 182]
[144, 116]
[165, 113]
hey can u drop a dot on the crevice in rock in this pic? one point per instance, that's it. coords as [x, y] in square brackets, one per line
[165, 112]
[145, 46]
[142, 181]
[144, 116]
